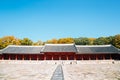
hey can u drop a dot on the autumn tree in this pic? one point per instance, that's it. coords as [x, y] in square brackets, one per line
[65, 40]
[92, 40]
[8, 40]
[26, 41]
[52, 41]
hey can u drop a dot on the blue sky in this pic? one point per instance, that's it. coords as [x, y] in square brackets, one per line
[47, 19]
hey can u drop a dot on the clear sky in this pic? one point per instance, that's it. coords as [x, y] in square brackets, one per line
[47, 19]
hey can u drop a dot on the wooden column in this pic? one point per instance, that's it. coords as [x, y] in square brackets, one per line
[103, 57]
[16, 57]
[52, 57]
[37, 57]
[59, 57]
[67, 57]
[89, 57]
[9, 56]
[2, 57]
[82, 57]
[44, 57]
[74, 57]
[110, 57]
[29, 56]
[23, 57]
[96, 57]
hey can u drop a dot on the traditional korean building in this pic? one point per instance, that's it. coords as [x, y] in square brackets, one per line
[60, 52]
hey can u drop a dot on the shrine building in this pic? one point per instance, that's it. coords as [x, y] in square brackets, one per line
[60, 52]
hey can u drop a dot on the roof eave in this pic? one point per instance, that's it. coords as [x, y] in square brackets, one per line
[98, 53]
[22, 53]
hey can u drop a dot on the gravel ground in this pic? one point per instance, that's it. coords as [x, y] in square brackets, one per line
[26, 71]
[92, 72]
[36, 70]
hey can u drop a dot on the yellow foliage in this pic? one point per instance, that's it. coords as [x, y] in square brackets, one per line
[65, 40]
[8, 40]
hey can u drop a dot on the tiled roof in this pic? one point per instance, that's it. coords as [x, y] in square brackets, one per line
[96, 49]
[59, 48]
[119, 51]
[79, 49]
[22, 49]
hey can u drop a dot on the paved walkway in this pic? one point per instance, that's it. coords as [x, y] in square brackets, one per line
[58, 73]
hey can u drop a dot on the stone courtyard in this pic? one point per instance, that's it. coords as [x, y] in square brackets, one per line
[72, 70]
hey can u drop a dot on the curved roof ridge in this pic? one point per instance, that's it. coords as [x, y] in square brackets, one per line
[23, 46]
[93, 45]
[60, 44]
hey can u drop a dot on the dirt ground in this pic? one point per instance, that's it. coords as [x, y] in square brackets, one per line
[72, 70]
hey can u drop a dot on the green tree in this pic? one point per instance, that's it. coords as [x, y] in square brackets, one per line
[101, 41]
[82, 41]
[26, 41]
[110, 39]
[116, 41]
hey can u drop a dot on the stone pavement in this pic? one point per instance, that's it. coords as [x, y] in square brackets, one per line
[58, 73]
[60, 70]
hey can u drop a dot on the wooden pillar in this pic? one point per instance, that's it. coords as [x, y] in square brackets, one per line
[82, 57]
[59, 57]
[52, 57]
[37, 57]
[2, 57]
[44, 57]
[16, 57]
[23, 57]
[74, 57]
[96, 57]
[103, 57]
[29, 56]
[89, 57]
[9, 56]
[110, 57]
[67, 57]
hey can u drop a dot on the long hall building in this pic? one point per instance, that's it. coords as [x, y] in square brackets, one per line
[60, 52]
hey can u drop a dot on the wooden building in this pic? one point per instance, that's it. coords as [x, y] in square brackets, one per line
[60, 52]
